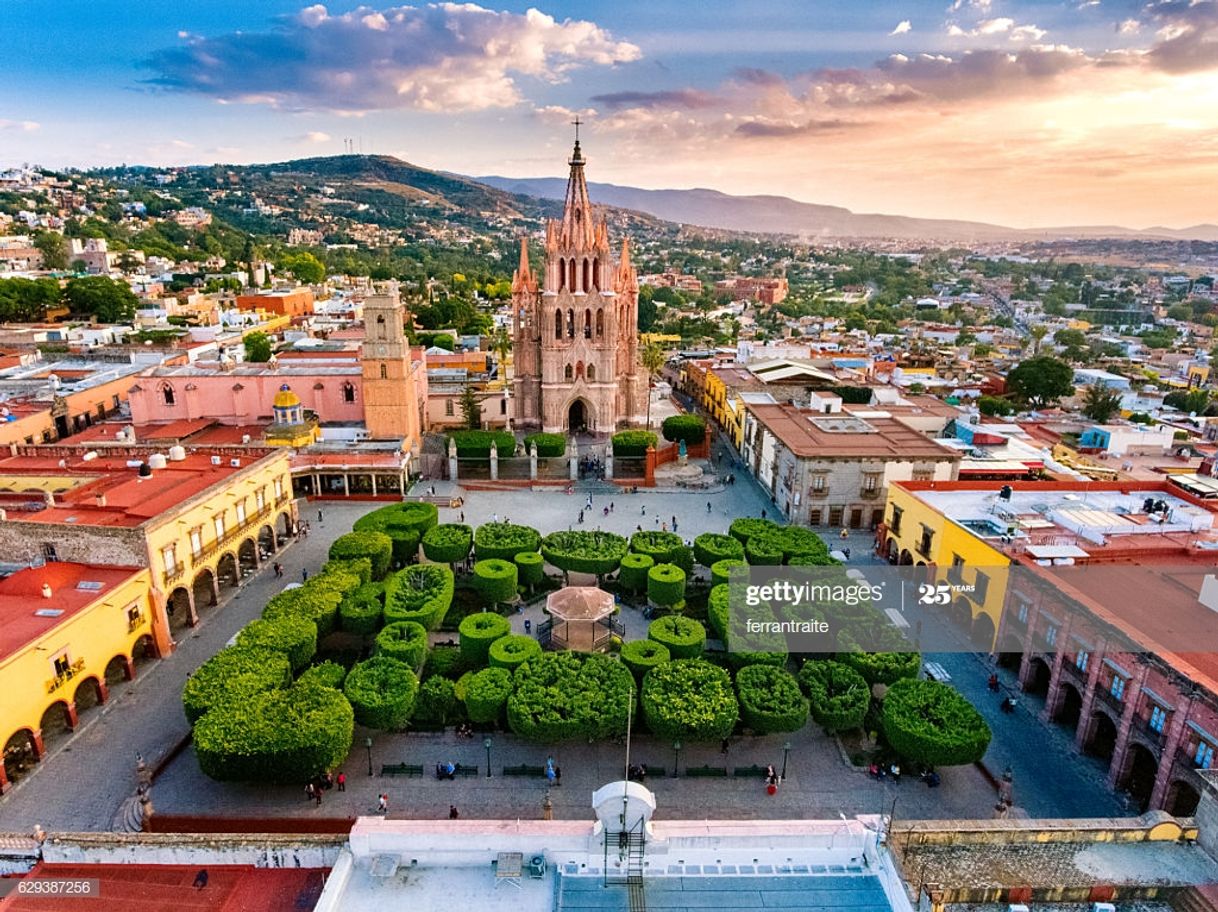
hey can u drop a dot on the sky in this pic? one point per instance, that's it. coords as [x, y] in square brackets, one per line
[1018, 112]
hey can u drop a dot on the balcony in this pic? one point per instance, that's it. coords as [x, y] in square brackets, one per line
[1186, 767]
[1103, 692]
[134, 623]
[1156, 739]
[870, 493]
[923, 548]
[175, 575]
[65, 676]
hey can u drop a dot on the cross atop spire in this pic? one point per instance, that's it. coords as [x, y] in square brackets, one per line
[576, 156]
[577, 122]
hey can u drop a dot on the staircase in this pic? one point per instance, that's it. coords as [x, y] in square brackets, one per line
[631, 847]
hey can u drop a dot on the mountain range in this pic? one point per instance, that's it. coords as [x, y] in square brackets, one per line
[782, 215]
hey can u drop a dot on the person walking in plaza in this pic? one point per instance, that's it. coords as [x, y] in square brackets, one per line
[320, 519]
[304, 574]
[342, 782]
[708, 506]
[382, 803]
[453, 813]
[310, 791]
[278, 570]
[674, 524]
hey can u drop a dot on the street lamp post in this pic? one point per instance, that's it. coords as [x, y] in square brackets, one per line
[368, 746]
[786, 750]
[487, 744]
[676, 758]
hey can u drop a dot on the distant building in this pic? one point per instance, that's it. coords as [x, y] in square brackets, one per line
[765, 291]
[290, 302]
[191, 217]
[304, 237]
[1127, 439]
[678, 280]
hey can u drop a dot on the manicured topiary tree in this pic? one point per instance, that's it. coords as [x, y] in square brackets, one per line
[422, 592]
[276, 736]
[404, 523]
[813, 560]
[763, 551]
[632, 444]
[640, 656]
[683, 637]
[530, 569]
[319, 605]
[382, 692]
[717, 612]
[435, 704]
[795, 540]
[235, 673]
[375, 546]
[361, 610]
[883, 667]
[328, 589]
[689, 700]
[485, 694]
[690, 428]
[661, 547]
[448, 543]
[477, 444]
[324, 674]
[710, 548]
[933, 724]
[633, 572]
[547, 446]
[477, 632]
[666, 586]
[504, 540]
[513, 650]
[746, 527]
[357, 566]
[838, 695]
[584, 552]
[295, 637]
[495, 580]
[721, 571]
[563, 696]
[405, 641]
[770, 699]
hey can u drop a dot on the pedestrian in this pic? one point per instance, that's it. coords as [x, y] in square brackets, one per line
[320, 518]
[278, 569]
[310, 791]
[317, 795]
[581, 516]
[558, 775]
[845, 533]
[494, 517]
[433, 490]
[453, 813]
[201, 879]
[611, 506]
[674, 524]
[663, 526]
[644, 509]
[708, 506]
[342, 782]
[763, 512]
[724, 746]
[846, 553]
[382, 803]
[304, 574]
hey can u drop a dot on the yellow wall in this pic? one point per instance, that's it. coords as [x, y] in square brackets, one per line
[81, 403]
[54, 483]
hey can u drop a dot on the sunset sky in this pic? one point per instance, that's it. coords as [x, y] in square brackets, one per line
[1029, 113]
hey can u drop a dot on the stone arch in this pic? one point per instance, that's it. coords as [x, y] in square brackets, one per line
[227, 571]
[384, 372]
[959, 614]
[571, 319]
[89, 693]
[266, 540]
[180, 609]
[168, 396]
[143, 651]
[21, 751]
[588, 323]
[571, 274]
[1038, 678]
[1070, 711]
[983, 632]
[568, 372]
[600, 322]
[580, 415]
[894, 551]
[587, 283]
[1138, 774]
[118, 669]
[591, 372]
[283, 526]
[558, 323]
[596, 273]
[1101, 736]
[348, 389]
[1182, 799]
[204, 589]
[906, 558]
[57, 723]
[579, 370]
[247, 557]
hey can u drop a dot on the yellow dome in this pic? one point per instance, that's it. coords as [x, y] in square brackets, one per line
[285, 398]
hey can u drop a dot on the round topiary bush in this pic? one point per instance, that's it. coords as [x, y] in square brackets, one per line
[633, 444]
[495, 579]
[689, 700]
[361, 611]
[932, 724]
[293, 636]
[324, 674]
[640, 656]
[838, 695]
[633, 572]
[690, 428]
[477, 632]
[276, 736]
[485, 693]
[721, 571]
[357, 566]
[746, 527]
[312, 603]
[448, 543]
[666, 585]
[883, 667]
[514, 650]
[504, 540]
[405, 641]
[683, 637]
[584, 552]
[763, 551]
[661, 547]
[710, 548]
[547, 446]
[813, 560]
[435, 704]
[234, 674]
[377, 547]
[382, 692]
[563, 696]
[718, 614]
[421, 593]
[770, 699]
[404, 523]
[530, 569]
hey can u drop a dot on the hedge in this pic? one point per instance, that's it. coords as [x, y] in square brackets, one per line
[718, 614]
[683, 637]
[448, 543]
[633, 444]
[721, 571]
[496, 580]
[477, 444]
[661, 547]
[404, 523]
[791, 540]
[422, 592]
[477, 632]
[295, 637]
[746, 527]
[436, 702]
[278, 736]
[689, 700]
[633, 572]
[689, 428]
[530, 569]
[324, 674]
[584, 552]
[770, 699]
[839, 696]
[711, 547]
[562, 696]
[382, 692]
[883, 667]
[504, 540]
[513, 650]
[547, 445]
[361, 610]
[485, 694]
[813, 560]
[640, 656]
[319, 605]
[232, 675]
[331, 588]
[405, 641]
[356, 566]
[763, 551]
[376, 546]
[445, 662]
[666, 585]
[932, 724]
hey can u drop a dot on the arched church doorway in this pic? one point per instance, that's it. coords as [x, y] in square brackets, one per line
[577, 417]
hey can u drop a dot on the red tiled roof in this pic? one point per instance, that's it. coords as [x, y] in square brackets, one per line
[890, 438]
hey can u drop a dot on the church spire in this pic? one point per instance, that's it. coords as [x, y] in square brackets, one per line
[627, 276]
[578, 229]
[523, 279]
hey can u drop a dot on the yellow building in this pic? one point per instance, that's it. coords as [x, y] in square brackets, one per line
[292, 425]
[68, 632]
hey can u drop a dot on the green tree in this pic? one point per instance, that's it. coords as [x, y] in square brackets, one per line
[1038, 334]
[305, 267]
[501, 344]
[257, 347]
[471, 409]
[1040, 381]
[1100, 403]
[106, 300]
[26, 300]
[1191, 401]
[653, 362]
[54, 249]
[993, 405]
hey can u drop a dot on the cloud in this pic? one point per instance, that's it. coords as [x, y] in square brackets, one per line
[21, 126]
[1129, 27]
[313, 136]
[983, 5]
[1188, 35]
[764, 128]
[1027, 33]
[679, 98]
[436, 57]
[902, 27]
[755, 76]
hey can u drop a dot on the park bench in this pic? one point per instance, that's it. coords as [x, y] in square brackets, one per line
[750, 772]
[936, 672]
[706, 772]
[524, 770]
[401, 769]
[467, 771]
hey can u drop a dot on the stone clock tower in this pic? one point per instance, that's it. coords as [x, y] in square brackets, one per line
[391, 407]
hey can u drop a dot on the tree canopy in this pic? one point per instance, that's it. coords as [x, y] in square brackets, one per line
[1041, 381]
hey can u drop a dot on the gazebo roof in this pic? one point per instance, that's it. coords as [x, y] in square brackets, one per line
[579, 603]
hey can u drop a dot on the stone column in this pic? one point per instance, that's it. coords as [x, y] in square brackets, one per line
[372, 476]
[103, 694]
[5, 785]
[192, 612]
[73, 718]
[494, 461]
[40, 748]
[1133, 690]
[1093, 678]
[346, 485]
[532, 462]
[452, 460]
[573, 462]
[1167, 762]
[649, 468]
[608, 461]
